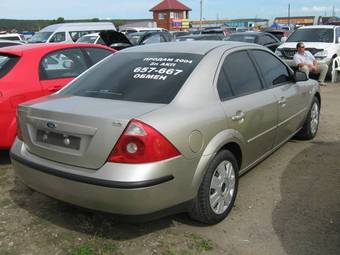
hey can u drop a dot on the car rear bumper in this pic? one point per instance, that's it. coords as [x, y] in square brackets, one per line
[144, 195]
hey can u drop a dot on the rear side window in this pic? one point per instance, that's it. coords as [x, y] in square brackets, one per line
[96, 54]
[273, 71]
[58, 37]
[11, 38]
[7, 62]
[241, 74]
[139, 77]
[65, 63]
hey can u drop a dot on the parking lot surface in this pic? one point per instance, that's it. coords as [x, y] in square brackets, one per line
[288, 204]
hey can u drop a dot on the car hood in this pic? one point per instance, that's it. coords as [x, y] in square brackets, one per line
[111, 37]
[316, 45]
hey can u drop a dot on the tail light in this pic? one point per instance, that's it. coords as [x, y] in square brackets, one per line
[19, 132]
[140, 143]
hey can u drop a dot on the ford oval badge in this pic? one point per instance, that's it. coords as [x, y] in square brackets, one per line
[51, 125]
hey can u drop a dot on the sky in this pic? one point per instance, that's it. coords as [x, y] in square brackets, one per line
[139, 9]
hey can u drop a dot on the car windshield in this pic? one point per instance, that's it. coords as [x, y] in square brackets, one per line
[135, 38]
[243, 38]
[139, 77]
[88, 39]
[40, 37]
[312, 35]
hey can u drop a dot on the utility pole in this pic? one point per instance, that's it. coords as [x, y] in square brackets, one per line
[201, 13]
[289, 16]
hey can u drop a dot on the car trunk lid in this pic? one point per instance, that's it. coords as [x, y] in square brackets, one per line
[79, 131]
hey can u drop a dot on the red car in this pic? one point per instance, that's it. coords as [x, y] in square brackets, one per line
[35, 70]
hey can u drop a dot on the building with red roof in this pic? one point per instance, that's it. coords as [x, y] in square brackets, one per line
[171, 15]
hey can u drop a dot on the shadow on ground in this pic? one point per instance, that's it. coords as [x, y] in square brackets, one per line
[307, 219]
[4, 157]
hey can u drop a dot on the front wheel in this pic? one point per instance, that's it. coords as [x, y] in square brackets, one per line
[311, 125]
[217, 192]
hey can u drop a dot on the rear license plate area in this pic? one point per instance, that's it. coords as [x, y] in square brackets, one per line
[58, 139]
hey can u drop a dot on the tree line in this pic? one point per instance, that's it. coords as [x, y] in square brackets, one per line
[35, 25]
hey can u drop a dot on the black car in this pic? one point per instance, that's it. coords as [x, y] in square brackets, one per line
[279, 33]
[210, 37]
[119, 41]
[262, 38]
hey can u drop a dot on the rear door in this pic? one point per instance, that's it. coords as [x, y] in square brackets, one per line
[250, 108]
[59, 67]
[291, 98]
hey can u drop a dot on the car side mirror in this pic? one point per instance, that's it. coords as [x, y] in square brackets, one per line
[300, 76]
[283, 39]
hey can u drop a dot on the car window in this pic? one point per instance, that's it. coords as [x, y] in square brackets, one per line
[223, 87]
[96, 54]
[312, 35]
[266, 39]
[11, 38]
[337, 33]
[7, 62]
[241, 74]
[138, 76]
[152, 39]
[273, 71]
[58, 37]
[6, 44]
[62, 64]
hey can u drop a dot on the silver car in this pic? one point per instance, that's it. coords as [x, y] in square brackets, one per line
[165, 126]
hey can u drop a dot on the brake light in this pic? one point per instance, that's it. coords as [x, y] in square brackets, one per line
[19, 132]
[140, 143]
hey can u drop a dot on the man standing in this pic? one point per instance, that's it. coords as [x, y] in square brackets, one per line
[307, 63]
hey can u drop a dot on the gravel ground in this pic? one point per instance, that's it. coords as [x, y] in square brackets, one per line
[288, 204]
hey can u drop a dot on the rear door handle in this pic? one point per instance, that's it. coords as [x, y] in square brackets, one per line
[239, 116]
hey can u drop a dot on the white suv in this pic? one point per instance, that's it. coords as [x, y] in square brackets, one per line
[323, 41]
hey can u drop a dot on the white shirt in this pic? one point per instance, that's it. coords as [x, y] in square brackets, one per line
[305, 58]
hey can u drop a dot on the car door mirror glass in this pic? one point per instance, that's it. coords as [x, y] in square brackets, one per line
[300, 76]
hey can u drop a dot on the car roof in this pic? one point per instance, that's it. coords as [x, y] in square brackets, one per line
[248, 33]
[191, 47]
[199, 35]
[9, 34]
[318, 26]
[18, 50]
[52, 28]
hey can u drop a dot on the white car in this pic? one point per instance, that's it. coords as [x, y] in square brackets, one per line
[323, 41]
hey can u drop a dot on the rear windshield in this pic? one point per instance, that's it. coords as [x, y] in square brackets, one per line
[10, 38]
[312, 35]
[7, 62]
[139, 77]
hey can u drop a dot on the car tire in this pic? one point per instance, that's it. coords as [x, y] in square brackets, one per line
[217, 192]
[311, 124]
